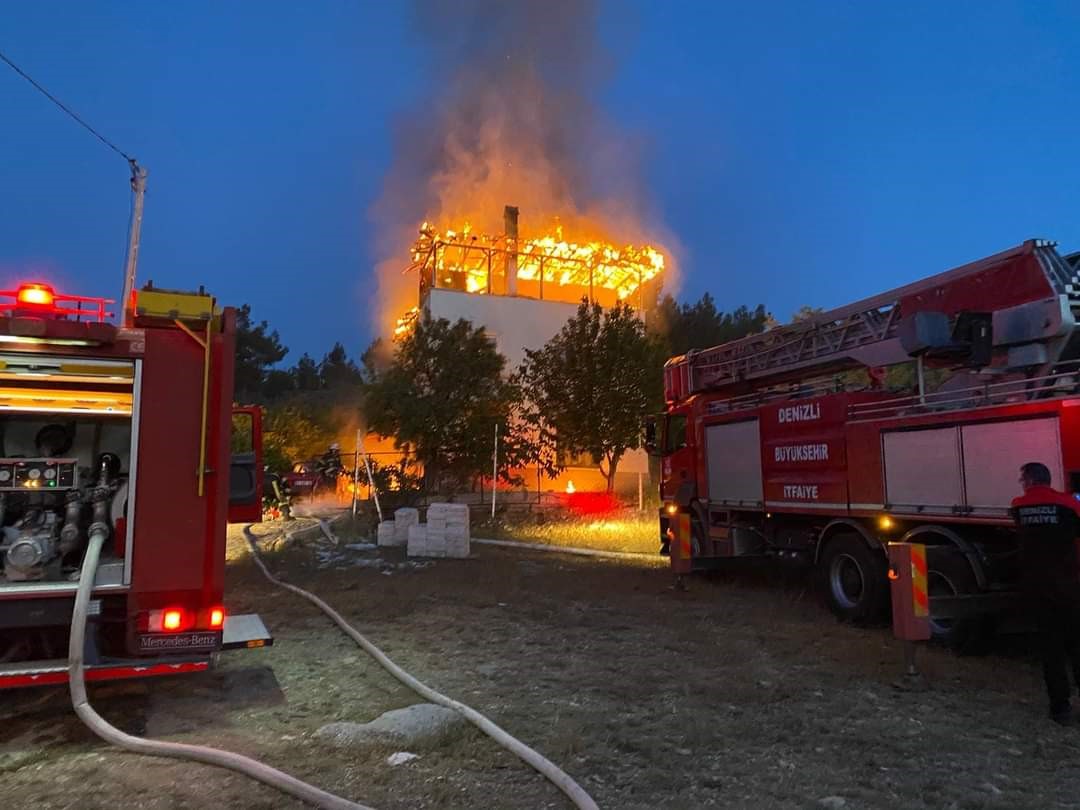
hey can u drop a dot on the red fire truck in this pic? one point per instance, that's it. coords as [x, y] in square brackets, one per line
[131, 427]
[795, 443]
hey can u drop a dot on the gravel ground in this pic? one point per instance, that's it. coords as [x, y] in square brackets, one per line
[741, 692]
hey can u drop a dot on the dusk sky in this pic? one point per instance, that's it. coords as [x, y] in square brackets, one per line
[800, 153]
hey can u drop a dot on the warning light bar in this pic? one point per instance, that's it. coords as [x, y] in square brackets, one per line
[37, 299]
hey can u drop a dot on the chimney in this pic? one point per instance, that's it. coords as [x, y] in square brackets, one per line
[510, 227]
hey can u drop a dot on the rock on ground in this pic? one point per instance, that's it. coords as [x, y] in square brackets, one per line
[414, 726]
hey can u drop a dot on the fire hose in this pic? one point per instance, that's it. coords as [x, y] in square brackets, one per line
[158, 748]
[529, 756]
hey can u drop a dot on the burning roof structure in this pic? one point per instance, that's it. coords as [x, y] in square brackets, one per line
[546, 267]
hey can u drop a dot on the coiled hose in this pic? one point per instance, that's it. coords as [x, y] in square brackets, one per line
[156, 748]
[546, 767]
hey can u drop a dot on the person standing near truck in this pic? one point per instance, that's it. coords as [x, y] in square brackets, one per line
[1048, 522]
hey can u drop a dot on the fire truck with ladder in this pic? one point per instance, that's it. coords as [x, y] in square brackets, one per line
[790, 444]
[125, 429]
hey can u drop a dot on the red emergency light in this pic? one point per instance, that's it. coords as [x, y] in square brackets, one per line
[36, 295]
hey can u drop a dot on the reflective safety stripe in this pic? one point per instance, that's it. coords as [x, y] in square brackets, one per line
[52, 676]
[920, 596]
[683, 533]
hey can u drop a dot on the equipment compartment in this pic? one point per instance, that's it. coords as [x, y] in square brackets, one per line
[65, 465]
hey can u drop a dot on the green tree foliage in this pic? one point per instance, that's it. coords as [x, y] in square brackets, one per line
[441, 397]
[306, 374]
[376, 359]
[337, 370]
[257, 349]
[591, 385]
[806, 313]
[277, 384]
[700, 325]
[291, 433]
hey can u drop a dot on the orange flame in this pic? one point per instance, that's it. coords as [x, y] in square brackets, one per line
[460, 259]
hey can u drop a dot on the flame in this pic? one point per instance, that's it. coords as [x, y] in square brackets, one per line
[406, 322]
[459, 259]
[570, 488]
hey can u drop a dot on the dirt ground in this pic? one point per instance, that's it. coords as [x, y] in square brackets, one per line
[741, 692]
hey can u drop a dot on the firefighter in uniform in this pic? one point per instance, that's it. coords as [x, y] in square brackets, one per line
[1048, 522]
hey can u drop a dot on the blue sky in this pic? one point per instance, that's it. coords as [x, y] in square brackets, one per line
[802, 153]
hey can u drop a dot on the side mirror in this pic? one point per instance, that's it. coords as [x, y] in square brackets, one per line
[650, 435]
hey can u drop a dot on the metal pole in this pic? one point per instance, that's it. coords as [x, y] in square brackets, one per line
[910, 668]
[138, 188]
[371, 482]
[356, 471]
[922, 379]
[494, 470]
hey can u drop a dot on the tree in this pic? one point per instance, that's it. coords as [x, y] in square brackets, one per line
[441, 397]
[257, 348]
[290, 433]
[277, 383]
[806, 313]
[306, 374]
[336, 369]
[700, 325]
[376, 359]
[593, 383]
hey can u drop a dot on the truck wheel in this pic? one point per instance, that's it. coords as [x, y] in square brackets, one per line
[949, 573]
[856, 579]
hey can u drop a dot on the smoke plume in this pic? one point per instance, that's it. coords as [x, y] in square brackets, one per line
[512, 118]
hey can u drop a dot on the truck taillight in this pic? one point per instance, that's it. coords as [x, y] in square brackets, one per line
[172, 619]
[217, 618]
[169, 620]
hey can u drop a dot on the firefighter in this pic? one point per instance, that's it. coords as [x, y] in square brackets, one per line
[1048, 522]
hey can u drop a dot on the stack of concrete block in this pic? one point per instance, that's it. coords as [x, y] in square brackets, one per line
[403, 519]
[417, 546]
[385, 533]
[448, 530]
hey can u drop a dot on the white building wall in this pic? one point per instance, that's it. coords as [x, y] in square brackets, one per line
[515, 324]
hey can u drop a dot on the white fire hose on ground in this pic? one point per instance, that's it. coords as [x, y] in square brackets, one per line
[546, 767]
[157, 748]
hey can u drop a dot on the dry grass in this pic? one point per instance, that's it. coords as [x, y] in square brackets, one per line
[631, 532]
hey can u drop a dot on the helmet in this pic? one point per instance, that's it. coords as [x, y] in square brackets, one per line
[335, 446]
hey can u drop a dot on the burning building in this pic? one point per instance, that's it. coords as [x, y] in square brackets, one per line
[522, 289]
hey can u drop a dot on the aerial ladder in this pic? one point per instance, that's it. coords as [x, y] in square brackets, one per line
[1013, 312]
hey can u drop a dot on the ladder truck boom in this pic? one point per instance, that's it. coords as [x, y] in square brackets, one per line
[1031, 292]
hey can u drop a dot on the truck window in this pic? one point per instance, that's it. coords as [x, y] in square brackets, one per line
[675, 435]
[243, 433]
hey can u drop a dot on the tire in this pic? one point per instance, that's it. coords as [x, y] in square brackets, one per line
[855, 579]
[949, 573]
